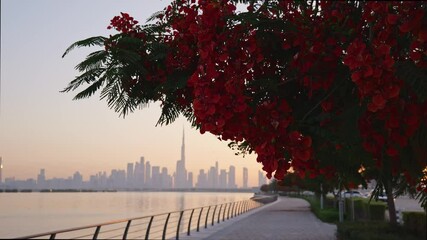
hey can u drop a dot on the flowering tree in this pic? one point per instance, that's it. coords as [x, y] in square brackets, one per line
[325, 88]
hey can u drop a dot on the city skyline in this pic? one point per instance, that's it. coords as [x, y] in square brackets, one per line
[121, 179]
[138, 175]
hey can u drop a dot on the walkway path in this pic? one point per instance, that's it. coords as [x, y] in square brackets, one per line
[287, 218]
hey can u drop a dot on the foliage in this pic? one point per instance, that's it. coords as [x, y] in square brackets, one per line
[365, 209]
[323, 88]
[367, 230]
[415, 222]
[360, 208]
[376, 211]
[327, 214]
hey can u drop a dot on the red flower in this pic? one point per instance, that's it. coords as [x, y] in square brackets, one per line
[392, 152]
[392, 18]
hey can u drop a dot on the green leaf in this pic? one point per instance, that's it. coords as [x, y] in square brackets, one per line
[92, 41]
[170, 112]
[94, 60]
[87, 77]
[155, 15]
[89, 91]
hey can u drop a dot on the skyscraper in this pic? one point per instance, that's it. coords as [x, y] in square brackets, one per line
[261, 178]
[156, 177]
[190, 180]
[202, 179]
[129, 179]
[1, 171]
[232, 177]
[222, 179]
[148, 174]
[41, 179]
[139, 173]
[181, 180]
[245, 177]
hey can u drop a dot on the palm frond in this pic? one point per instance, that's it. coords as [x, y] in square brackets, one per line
[89, 91]
[93, 61]
[92, 41]
[128, 57]
[170, 112]
[189, 115]
[155, 15]
[87, 77]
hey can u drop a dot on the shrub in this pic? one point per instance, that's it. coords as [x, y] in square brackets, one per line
[360, 211]
[376, 211]
[327, 214]
[367, 230]
[415, 222]
[365, 210]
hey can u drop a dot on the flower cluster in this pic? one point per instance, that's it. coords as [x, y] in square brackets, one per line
[123, 23]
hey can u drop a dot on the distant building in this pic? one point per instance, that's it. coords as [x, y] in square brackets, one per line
[166, 179]
[222, 179]
[117, 179]
[181, 180]
[245, 177]
[41, 179]
[211, 178]
[147, 174]
[77, 181]
[1, 171]
[261, 178]
[129, 178]
[202, 179]
[139, 173]
[155, 178]
[232, 177]
[190, 180]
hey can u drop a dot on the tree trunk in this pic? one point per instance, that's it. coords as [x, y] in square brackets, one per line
[390, 203]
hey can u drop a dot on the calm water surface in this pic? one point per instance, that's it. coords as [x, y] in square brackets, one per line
[30, 213]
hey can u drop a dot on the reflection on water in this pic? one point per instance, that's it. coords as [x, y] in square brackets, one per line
[30, 213]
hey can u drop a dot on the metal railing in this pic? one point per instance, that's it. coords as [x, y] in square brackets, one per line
[162, 226]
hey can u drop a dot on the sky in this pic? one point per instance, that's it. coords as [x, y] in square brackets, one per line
[40, 127]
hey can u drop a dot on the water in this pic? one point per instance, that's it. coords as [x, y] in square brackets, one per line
[31, 213]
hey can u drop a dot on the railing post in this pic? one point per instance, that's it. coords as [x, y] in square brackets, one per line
[189, 222]
[207, 215]
[52, 236]
[228, 213]
[179, 223]
[95, 235]
[223, 215]
[235, 209]
[219, 212]
[232, 210]
[198, 221]
[166, 226]
[149, 227]
[239, 206]
[213, 215]
[125, 234]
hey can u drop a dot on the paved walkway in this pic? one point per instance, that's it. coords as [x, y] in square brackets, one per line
[287, 218]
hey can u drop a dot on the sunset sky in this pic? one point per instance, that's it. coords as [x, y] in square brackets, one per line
[43, 128]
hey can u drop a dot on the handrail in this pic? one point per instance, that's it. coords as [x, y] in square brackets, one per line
[169, 230]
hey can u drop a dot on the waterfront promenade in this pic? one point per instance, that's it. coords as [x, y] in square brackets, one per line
[287, 218]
